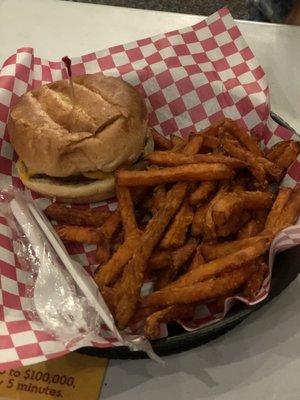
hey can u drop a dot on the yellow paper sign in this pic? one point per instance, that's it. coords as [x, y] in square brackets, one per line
[74, 376]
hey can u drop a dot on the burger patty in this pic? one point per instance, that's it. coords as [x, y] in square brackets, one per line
[67, 180]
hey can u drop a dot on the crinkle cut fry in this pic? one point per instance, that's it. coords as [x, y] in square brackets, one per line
[200, 291]
[133, 274]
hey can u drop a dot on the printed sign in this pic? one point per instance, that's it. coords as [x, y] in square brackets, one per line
[74, 376]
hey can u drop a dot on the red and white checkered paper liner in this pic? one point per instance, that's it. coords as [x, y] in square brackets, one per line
[189, 79]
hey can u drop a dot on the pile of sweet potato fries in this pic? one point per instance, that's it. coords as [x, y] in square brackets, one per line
[198, 223]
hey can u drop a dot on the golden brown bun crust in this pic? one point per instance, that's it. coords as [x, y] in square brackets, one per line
[106, 128]
[92, 191]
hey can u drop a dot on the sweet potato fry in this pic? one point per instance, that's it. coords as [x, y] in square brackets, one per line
[214, 129]
[198, 225]
[111, 225]
[178, 259]
[254, 283]
[200, 291]
[169, 314]
[142, 313]
[279, 148]
[79, 234]
[160, 141]
[250, 229]
[218, 250]
[254, 226]
[243, 137]
[191, 172]
[170, 159]
[159, 197]
[223, 264]
[176, 233]
[117, 240]
[283, 198]
[71, 216]
[210, 142]
[288, 216]
[109, 272]
[256, 169]
[126, 211]
[109, 295]
[272, 169]
[276, 150]
[133, 275]
[204, 190]
[231, 203]
[256, 163]
[163, 278]
[207, 224]
[260, 217]
[177, 143]
[198, 259]
[214, 143]
[103, 251]
[289, 155]
[233, 225]
[194, 144]
[183, 254]
[160, 259]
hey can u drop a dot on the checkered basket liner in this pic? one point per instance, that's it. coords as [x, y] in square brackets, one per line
[189, 79]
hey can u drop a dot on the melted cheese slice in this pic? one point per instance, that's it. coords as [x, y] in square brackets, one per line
[25, 174]
[99, 175]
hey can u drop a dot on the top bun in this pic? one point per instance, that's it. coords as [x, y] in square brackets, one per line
[105, 128]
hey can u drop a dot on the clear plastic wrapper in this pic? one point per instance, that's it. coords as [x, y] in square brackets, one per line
[54, 298]
[61, 294]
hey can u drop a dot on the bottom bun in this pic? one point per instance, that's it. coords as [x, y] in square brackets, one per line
[77, 193]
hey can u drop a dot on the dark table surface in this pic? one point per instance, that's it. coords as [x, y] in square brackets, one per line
[259, 10]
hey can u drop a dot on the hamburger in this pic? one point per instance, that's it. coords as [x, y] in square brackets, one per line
[71, 140]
